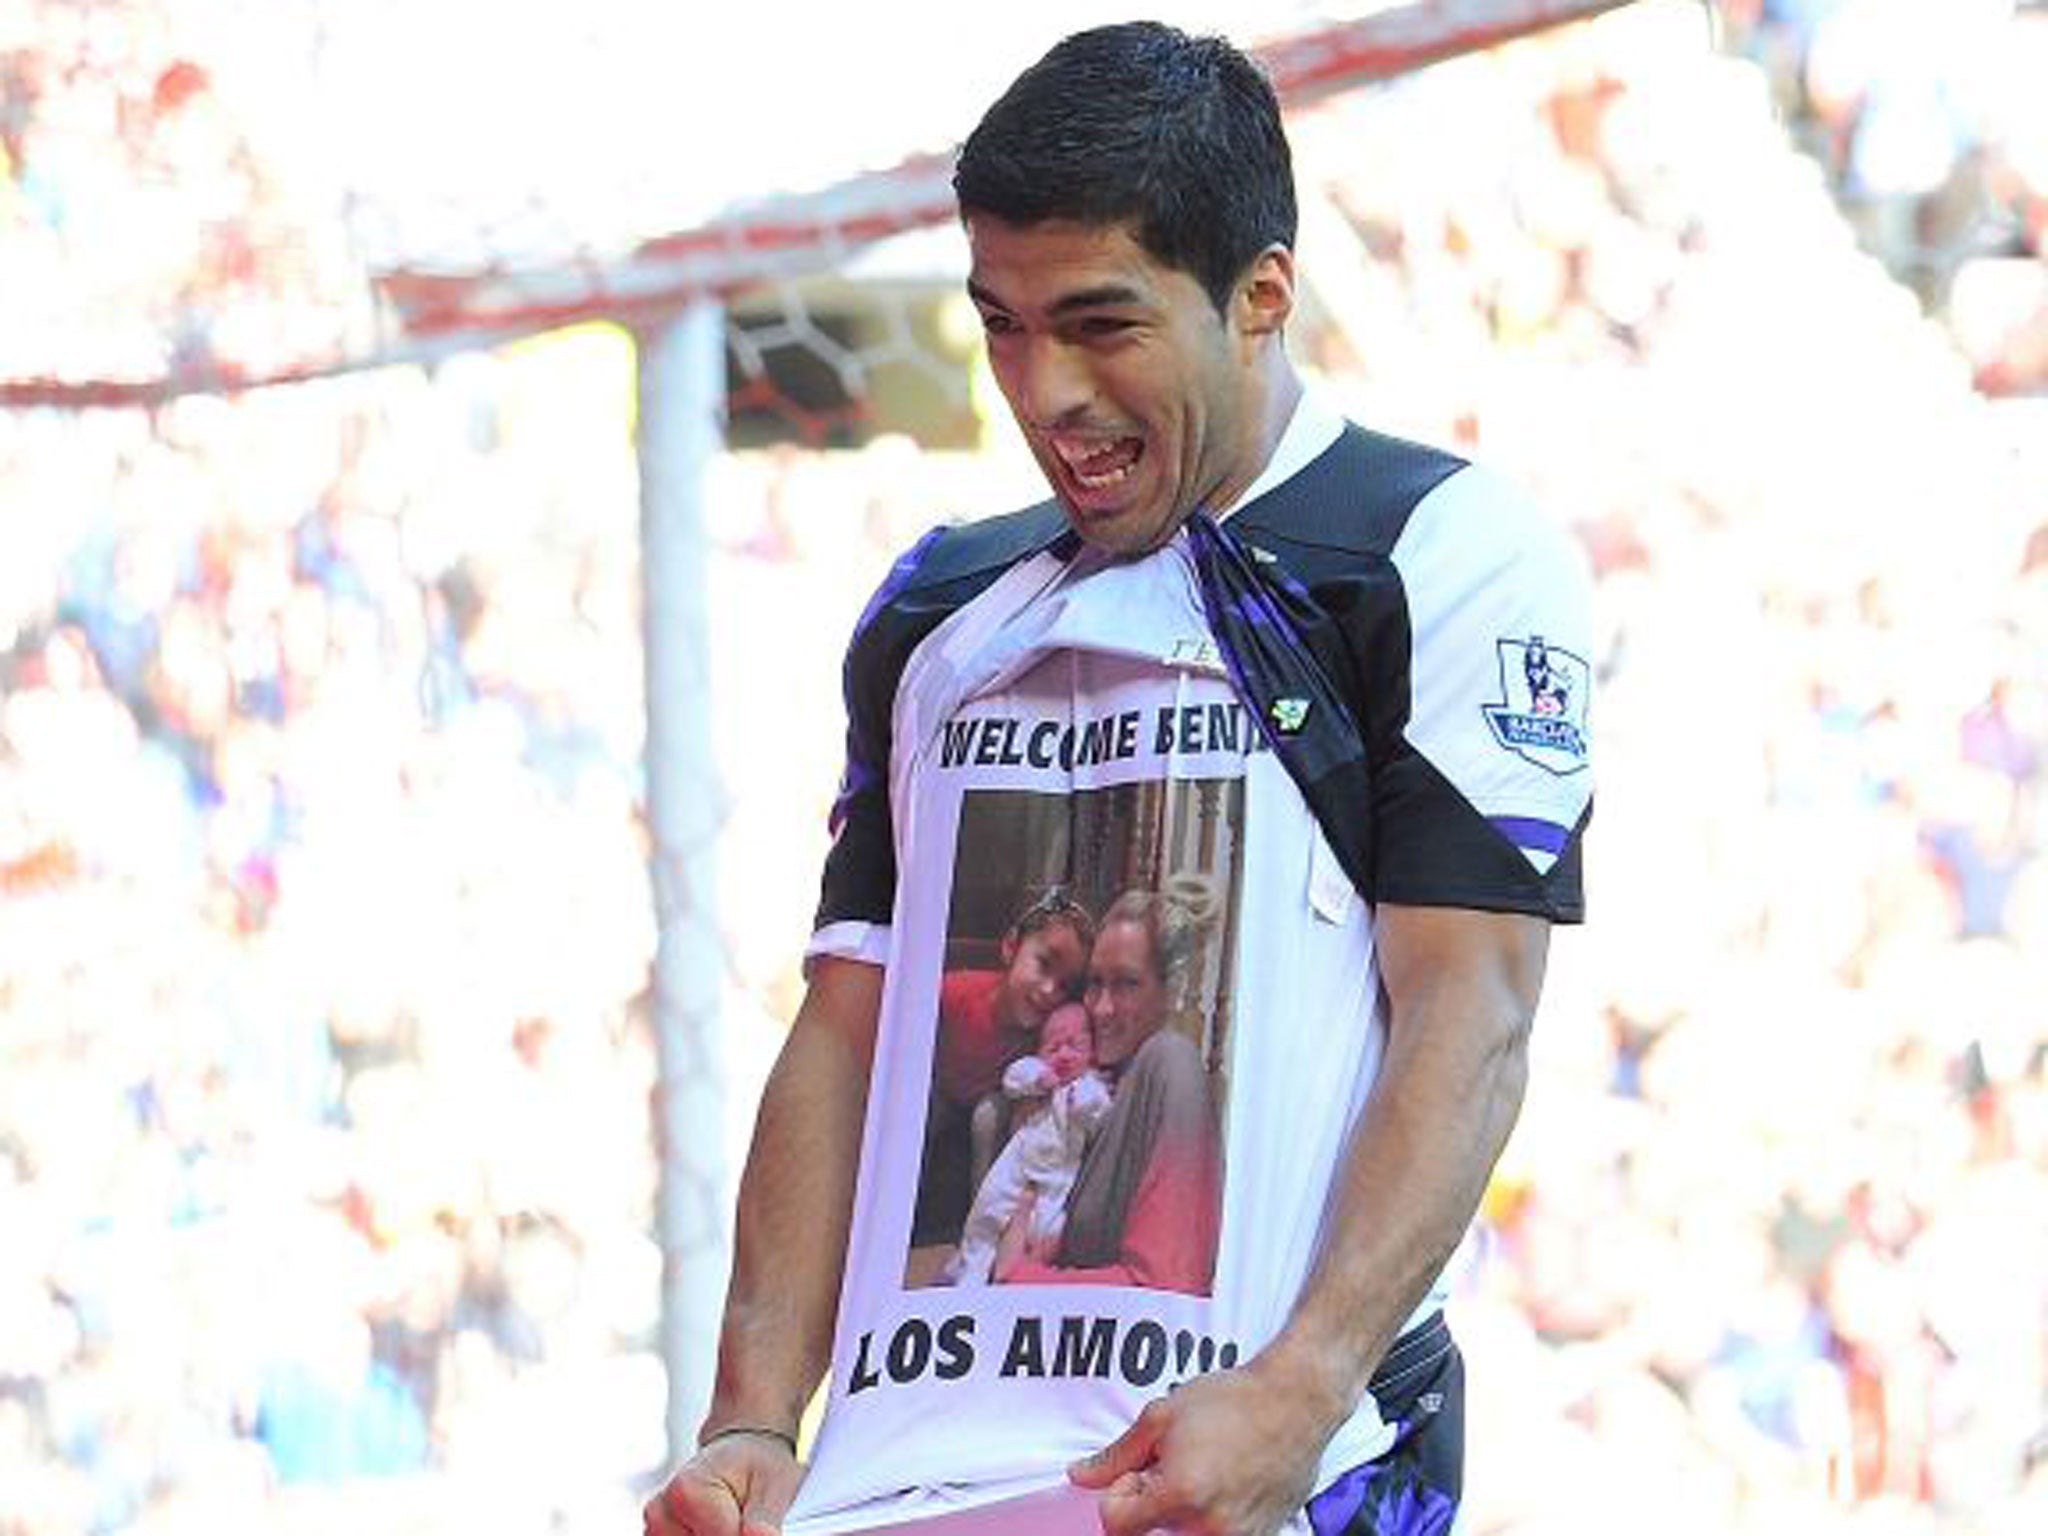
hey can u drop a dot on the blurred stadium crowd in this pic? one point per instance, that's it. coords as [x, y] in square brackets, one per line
[326, 1172]
[1932, 124]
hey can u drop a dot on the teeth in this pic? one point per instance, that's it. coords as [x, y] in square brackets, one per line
[1077, 455]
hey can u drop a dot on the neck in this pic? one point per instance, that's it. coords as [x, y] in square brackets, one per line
[1277, 391]
[1283, 394]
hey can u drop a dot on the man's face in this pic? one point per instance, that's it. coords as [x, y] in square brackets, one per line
[1139, 401]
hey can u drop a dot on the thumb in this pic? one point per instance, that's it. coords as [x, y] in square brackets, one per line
[767, 1501]
[1134, 1448]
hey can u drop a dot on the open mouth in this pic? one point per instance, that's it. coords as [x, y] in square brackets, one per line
[1100, 464]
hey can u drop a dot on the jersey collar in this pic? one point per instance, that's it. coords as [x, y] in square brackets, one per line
[1311, 429]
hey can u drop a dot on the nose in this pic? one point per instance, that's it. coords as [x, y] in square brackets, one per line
[1048, 382]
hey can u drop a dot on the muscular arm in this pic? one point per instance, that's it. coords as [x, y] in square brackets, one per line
[1461, 990]
[795, 1206]
[1236, 1452]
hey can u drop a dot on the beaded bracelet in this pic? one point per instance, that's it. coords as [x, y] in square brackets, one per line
[748, 1429]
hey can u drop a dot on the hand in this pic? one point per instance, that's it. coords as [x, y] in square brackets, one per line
[1227, 1454]
[1017, 1245]
[740, 1485]
[1029, 1078]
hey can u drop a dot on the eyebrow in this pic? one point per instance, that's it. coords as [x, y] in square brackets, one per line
[1101, 296]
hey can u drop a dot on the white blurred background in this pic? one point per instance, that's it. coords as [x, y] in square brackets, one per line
[328, 1156]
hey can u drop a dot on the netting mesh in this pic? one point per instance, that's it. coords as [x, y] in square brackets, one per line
[325, 1053]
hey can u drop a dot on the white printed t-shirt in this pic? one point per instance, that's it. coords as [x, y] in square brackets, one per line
[1074, 726]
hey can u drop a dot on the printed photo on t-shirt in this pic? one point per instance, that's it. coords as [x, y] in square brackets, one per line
[1074, 1130]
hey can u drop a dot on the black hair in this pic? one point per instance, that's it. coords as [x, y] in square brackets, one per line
[1141, 124]
[1056, 905]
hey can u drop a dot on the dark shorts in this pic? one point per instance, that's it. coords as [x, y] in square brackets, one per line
[1411, 1489]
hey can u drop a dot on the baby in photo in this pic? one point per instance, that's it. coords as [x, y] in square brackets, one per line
[1057, 1097]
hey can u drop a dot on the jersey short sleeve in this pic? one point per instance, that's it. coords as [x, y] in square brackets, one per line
[857, 892]
[932, 580]
[1489, 786]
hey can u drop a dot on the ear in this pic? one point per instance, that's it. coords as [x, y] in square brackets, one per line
[1265, 294]
[1009, 948]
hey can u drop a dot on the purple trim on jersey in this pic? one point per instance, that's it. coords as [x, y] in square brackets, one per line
[1375, 1500]
[898, 578]
[1527, 832]
[856, 777]
[1261, 645]
[1411, 1488]
[861, 775]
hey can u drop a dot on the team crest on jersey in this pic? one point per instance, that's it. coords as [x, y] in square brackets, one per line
[1542, 713]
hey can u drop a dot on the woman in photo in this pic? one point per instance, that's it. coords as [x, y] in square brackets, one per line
[1145, 1207]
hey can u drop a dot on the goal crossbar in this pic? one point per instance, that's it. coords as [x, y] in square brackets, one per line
[440, 313]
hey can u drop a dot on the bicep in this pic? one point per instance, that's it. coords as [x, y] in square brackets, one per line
[818, 1086]
[1475, 974]
[807, 1133]
[841, 1008]
[1461, 991]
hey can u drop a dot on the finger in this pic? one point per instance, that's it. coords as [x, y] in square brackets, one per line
[767, 1502]
[1137, 1503]
[1128, 1452]
[693, 1506]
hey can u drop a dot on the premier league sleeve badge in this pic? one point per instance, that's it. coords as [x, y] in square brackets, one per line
[1541, 716]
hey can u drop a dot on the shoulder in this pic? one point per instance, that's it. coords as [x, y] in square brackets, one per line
[968, 555]
[1376, 519]
[1169, 1055]
[987, 546]
[1352, 501]
[943, 571]
[1481, 518]
[960, 990]
[1482, 561]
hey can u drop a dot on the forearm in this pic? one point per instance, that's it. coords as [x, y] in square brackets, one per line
[1449, 1090]
[795, 1205]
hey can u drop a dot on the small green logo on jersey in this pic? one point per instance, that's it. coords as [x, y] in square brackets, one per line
[1289, 715]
